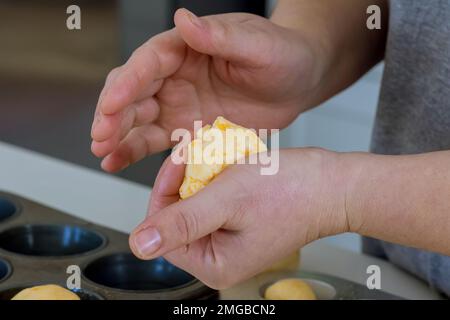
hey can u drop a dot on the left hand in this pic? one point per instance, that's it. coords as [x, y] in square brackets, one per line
[240, 66]
[243, 222]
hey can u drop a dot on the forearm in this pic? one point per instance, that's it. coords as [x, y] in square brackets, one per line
[346, 47]
[401, 199]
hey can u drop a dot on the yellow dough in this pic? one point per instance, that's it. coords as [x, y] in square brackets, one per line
[290, 289]
[214, 148]
[46, 292]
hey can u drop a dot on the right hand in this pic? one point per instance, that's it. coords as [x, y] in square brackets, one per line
[240, 66]
[231, 229]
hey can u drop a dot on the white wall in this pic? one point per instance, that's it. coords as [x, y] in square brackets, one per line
[343, 123]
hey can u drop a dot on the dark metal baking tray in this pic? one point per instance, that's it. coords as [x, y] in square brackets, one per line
[38, 243]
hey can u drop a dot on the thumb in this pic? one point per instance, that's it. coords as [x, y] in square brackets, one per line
[228, 36]
[177, 225]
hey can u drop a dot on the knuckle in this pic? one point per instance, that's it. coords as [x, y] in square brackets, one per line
[221, 35]
[112, 74]
[186, 226]
[221, 276]
[137, 53]
[134, 77]
[143, 60]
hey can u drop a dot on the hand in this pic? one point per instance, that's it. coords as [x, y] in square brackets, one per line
[240, 66]
[243, 222]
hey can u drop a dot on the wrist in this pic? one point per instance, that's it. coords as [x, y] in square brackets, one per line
[324, 180]
[312, 60]
[354, 169]
[311, 30]
[349, 172]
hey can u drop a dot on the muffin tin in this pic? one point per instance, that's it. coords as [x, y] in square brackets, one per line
[38, 244]
[326, 287]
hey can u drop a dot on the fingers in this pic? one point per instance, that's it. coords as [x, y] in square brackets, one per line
[98, 115]
[203, 260]
[167, 184]
[158, 58]
[139, 143]
[105, 126]
[225, 36]
[118, 126]
[128, 88]
[179, 224]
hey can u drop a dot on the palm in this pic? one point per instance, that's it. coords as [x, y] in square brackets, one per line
[205, 87]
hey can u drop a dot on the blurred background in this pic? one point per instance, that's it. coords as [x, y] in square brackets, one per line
[50, 78]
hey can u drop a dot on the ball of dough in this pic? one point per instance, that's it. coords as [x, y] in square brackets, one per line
[46, 292]
[214, 148]
[290, 289]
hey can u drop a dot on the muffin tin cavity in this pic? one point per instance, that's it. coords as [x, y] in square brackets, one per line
[7, 209]
[5, 270]
[50, 240]
[322, 290]
[88, 295]
[126, 272]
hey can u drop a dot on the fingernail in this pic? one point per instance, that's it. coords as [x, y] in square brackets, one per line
[93, 145]
[126, 165]
[195, 20]
[147, 241]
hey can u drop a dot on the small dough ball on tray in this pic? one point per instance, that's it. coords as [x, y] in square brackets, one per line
[46, 292]
[290, 289]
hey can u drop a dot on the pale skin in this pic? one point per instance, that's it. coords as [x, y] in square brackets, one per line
[262, 74]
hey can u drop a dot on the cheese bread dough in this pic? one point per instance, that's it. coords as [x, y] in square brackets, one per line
[214, 148]
[290, 289]
[46, 292]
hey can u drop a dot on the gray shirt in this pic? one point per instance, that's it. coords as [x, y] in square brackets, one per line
[414, 110]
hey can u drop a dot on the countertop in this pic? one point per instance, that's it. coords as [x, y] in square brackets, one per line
[121, 204]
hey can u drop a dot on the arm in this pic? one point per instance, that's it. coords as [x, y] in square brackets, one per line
[338, 27]
[401, 199]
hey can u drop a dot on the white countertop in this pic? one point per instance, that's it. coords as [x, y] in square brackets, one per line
[120, 204]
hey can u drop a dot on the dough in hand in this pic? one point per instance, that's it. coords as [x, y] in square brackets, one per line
[290, 289]
[46, 292]
[214, 148]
